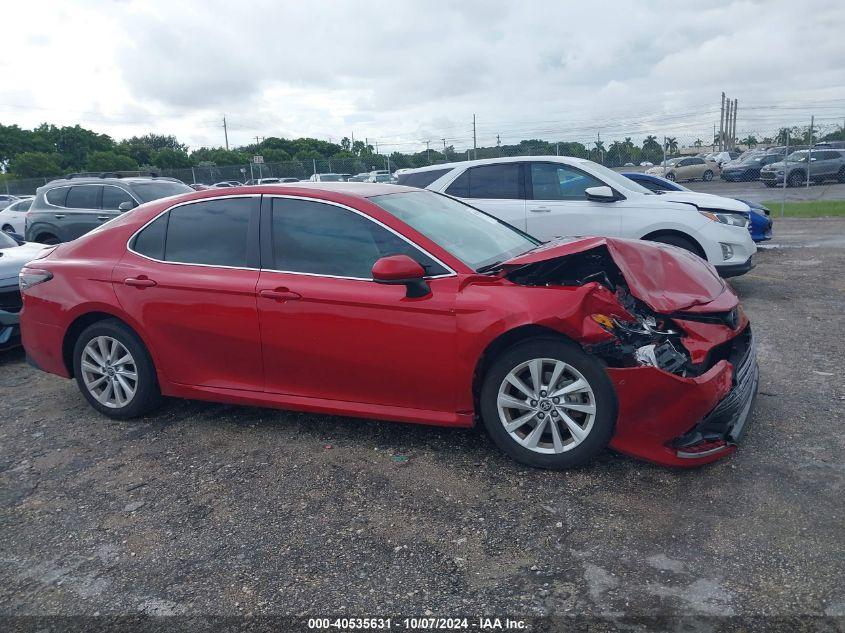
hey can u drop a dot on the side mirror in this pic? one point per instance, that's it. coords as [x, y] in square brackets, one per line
[402, 270]
[600, 194]
[125, 206]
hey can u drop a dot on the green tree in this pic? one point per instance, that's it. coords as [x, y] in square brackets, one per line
[142, 148]
[749, 141]
[169, 158]
[698, 142]
[275, 155]
[110, 161]
[35, 165]
[671, 145]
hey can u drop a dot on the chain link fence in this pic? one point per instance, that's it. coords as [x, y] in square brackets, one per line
[810, 159]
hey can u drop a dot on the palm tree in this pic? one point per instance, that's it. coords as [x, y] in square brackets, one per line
[698, 142]
[784, 135]
[650, 144]
[749, 141]
[671, 145]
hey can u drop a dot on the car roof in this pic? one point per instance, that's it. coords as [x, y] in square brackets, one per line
[568, 160]
[96, 180]
[357, 189]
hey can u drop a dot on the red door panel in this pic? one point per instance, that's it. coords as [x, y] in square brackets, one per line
[202, 321]
[358, 341]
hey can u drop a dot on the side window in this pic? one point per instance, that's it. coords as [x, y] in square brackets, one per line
[83, 197]
[150, 241]
[322, 239]
[57, 196]
[421, 179]
[460, 186]
[494, 181]
[556, 181]
[212, 232]
[697, 161]
[113, 196]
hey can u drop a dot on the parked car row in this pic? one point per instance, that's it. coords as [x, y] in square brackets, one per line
[396, 303]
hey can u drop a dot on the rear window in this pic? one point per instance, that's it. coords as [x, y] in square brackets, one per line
[488, 181]
[154, 190]
[421, 179]
[57, 196]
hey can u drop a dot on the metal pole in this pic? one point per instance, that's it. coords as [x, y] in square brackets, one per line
[785, 173]
[733, 124]
[193, 175]
[314, 164]
[810, 149]
[664, 151]
[722, 123]
[444, 149]
[428, 152]
[474, 140]
[226, 132]
[727, 143]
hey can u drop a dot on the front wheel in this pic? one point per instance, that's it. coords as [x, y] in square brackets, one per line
[796, 179]
[707, 176]
[547, 404]
[8, 228]
[114, 371]
[676, 240]
[670, 176]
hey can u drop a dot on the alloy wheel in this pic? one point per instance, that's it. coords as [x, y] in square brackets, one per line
[109, 372]
[546, 405]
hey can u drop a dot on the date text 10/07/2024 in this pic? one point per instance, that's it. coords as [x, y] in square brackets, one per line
[423, 623]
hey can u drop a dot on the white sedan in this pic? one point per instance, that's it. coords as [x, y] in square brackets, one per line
[13, 217]
[553, 196]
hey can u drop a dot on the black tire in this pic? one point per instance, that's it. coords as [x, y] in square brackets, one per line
[796, 179]
[707, 176]
[8, 228]
[46, 238]
[670, 176]
[677, 240]
[593, 372]
[147, 394]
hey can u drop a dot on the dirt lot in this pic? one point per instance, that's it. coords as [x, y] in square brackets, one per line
[210, 509]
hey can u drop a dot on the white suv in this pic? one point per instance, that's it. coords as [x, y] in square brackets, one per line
[554, 196]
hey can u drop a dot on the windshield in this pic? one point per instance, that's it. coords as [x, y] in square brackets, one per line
[154, 190]
[614, 178]
[6, 241]
[330, 178]
[477, 239]
[797, 157]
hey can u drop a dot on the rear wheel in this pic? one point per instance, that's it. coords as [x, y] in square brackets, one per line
[676, 240]
[8, 228]
[114, 371]
[796, 179]
[707, 176]
[670, 176]
[46, 238]
[547, 404]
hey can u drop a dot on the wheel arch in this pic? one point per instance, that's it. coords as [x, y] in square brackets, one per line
[502, 343]
[86, 319]
[660, 232]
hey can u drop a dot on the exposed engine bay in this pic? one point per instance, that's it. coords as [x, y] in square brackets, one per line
[648, 339]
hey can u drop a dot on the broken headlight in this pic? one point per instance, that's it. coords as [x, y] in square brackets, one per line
[645, 342]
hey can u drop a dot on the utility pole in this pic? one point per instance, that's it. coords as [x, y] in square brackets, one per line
[257, 141]
[598, 146]
[722, 124]
[810, 150]
[444, 149]
[225, 132]
[474, 140]
[728, 126]
[498, 144]
[428, 152]
[733, 132]
[713, 146]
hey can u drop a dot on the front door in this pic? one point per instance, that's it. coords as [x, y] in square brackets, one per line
[330, 332]
[558, 206]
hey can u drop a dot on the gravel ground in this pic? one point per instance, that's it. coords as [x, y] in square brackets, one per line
[212, 509]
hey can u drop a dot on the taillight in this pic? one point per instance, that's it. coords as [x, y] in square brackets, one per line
[29, 277]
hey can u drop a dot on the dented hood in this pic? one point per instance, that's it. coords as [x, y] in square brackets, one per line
[666, 278]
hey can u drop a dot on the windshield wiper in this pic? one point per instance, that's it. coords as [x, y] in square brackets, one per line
[489, 268]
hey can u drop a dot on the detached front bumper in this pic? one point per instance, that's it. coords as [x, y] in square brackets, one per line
[676, 421]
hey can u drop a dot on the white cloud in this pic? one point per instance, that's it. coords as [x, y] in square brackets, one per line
[410, 71]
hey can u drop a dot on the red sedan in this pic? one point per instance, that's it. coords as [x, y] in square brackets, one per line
[389, 302]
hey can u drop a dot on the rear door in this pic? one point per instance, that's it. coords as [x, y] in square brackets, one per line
[113, 197]
[558, 206]
[497, 189]
[189, 278]
[82, 208]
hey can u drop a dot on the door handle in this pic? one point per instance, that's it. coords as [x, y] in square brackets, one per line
[280, 294]
[540, 210]
[60, 216]
[139, 282]
[104, 217]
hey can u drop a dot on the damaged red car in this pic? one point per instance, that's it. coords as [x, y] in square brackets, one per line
[389, 302]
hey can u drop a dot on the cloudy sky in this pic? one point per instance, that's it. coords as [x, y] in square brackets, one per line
[403, 72]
